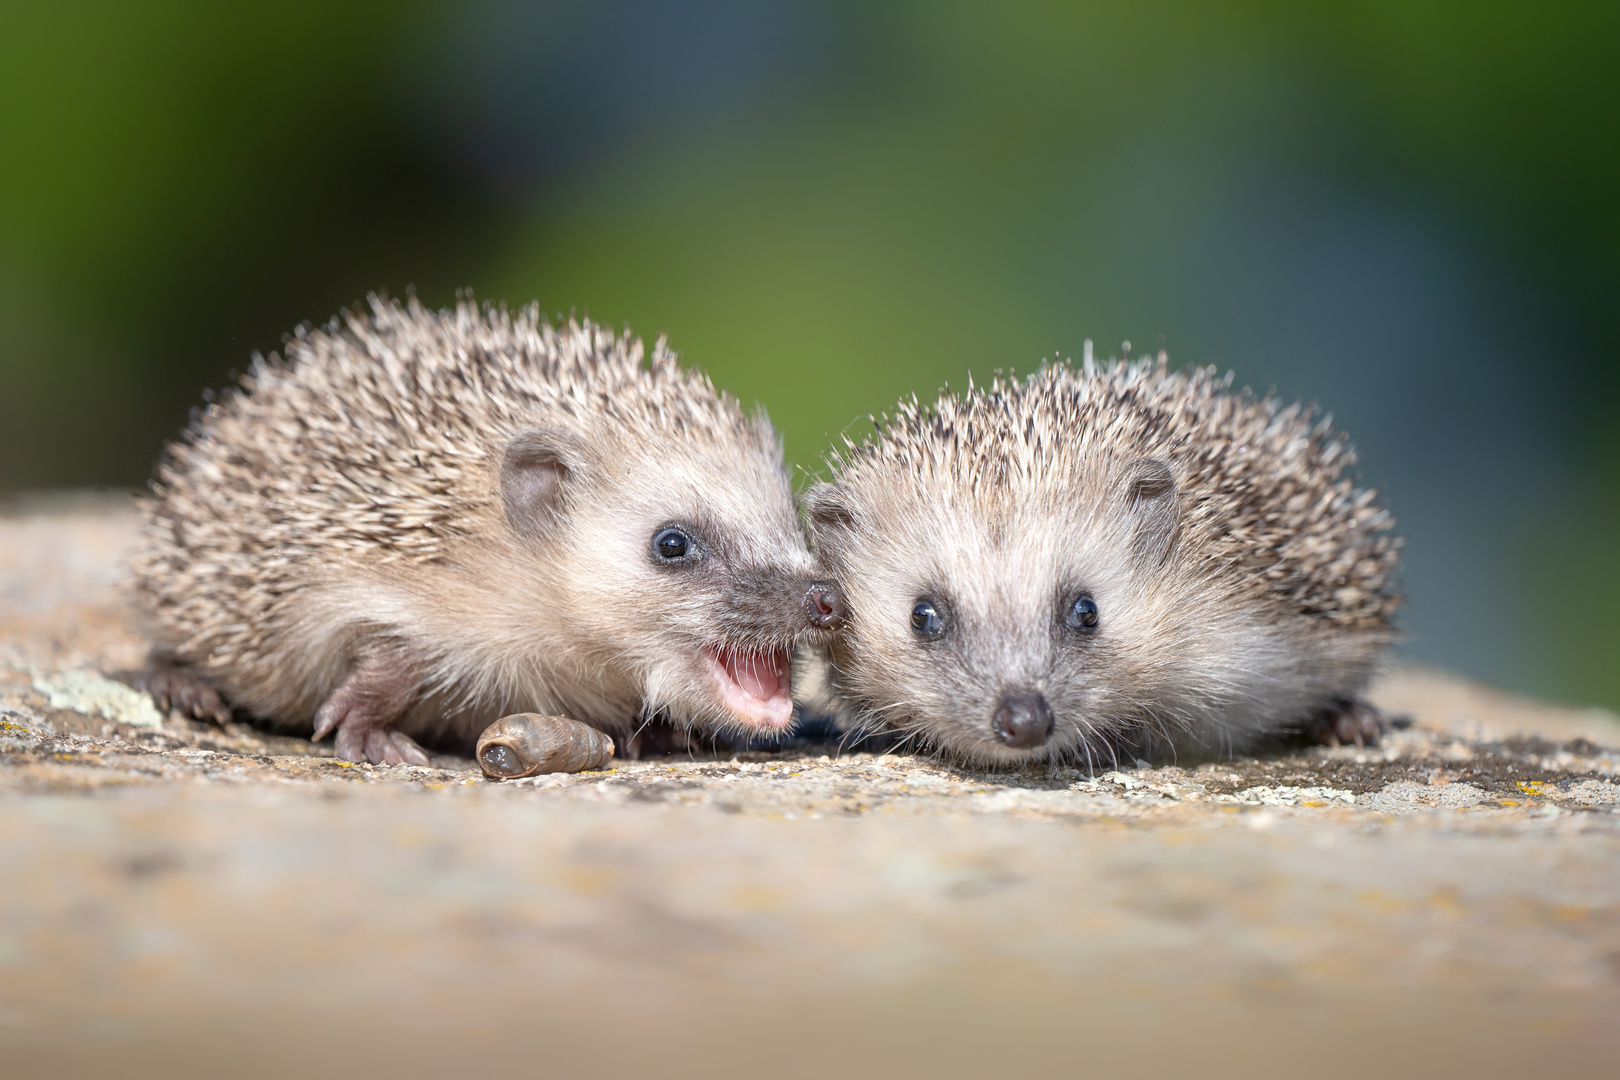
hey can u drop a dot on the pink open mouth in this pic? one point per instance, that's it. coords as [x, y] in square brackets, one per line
[755, 686]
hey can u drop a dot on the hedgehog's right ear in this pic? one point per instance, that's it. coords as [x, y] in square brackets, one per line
[828, 511]
[1152, 500]
[534, 477]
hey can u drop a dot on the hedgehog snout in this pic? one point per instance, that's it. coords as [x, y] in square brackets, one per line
[769, 603]
[1022, 720]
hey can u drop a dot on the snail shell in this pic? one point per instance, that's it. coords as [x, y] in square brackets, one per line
[526, 744]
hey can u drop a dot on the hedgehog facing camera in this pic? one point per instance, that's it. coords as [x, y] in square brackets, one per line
[418, 522]
[1112, 562]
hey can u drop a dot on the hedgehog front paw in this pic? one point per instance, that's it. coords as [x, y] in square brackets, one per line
[1350, 720]
[363, 712]
[360, 737]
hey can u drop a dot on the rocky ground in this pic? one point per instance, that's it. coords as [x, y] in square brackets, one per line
[179, 897]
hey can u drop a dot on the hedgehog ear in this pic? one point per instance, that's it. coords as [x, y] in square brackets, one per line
[828, 511]
[1151, 499]
[535, 472]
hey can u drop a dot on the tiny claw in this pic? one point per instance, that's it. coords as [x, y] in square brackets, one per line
[327, 718]
[351, 744]
[410, 752]
[399, 748]
[378, 745]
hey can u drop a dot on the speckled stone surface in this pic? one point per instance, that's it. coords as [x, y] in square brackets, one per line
[178, 898]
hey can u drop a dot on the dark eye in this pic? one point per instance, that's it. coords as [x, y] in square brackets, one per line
[926, 621]
[1082, 613]
[672, 544]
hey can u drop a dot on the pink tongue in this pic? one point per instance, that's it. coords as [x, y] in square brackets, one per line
[754, 688]
[757, 676]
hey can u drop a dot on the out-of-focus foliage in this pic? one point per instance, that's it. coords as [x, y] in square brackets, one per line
[1405, 211]
[181, 183]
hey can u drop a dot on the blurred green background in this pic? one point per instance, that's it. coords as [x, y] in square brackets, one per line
[1409, 212]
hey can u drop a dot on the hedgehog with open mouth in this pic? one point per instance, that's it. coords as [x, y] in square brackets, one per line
[417, 522]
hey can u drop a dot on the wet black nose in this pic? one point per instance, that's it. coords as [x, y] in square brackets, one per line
[824, 606]
[1023, 720]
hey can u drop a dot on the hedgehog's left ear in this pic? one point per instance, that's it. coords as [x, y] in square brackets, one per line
[535, 472]
[829, 512]
[1151, 500]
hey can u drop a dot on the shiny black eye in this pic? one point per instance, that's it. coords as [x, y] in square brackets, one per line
[672, 544]
[1082, 614]
[926, 620]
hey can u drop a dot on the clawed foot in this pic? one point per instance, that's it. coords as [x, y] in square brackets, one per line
[1350, 721]
[379, 746]
[360, 737]
[363, 711]
[176, 688]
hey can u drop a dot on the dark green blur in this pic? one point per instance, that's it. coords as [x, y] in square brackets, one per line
[1409, 212]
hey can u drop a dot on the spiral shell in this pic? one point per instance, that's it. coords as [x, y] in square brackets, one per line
[527, 744]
